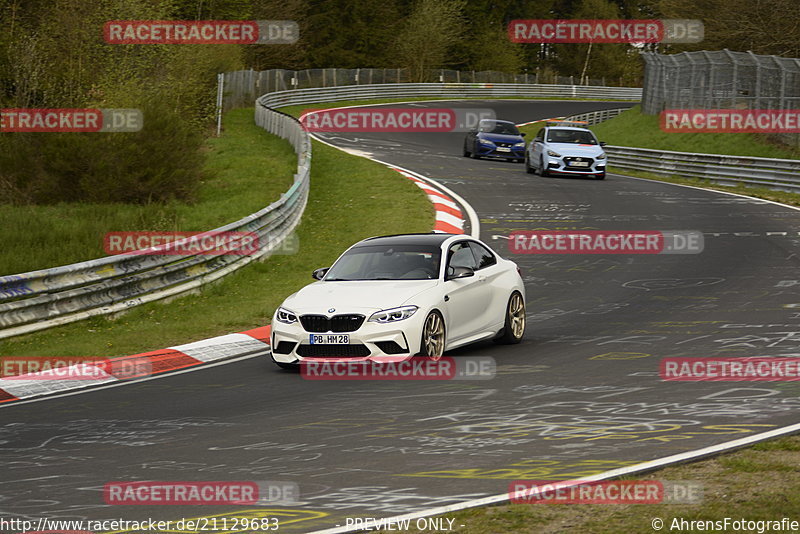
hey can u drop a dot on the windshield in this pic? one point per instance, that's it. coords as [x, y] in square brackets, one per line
[583, 137]
[499, 128]
[387, 262]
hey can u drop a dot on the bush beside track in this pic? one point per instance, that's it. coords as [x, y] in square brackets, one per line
[351, 198]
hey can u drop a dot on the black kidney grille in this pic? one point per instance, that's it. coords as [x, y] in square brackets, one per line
[337, 323]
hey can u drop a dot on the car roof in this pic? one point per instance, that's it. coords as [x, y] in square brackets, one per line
[432, 239]
[497, 120]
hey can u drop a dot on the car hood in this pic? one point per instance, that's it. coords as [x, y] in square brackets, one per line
[500, 138]
[575, 149]
[362, 296]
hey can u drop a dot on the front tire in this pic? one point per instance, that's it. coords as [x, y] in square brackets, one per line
[465, 152]
[528, 168]
[433, 336]
[475, 152]
[601, 177]
[514, 328]
[542, 170]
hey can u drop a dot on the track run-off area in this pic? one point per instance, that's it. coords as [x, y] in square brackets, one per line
[581, 395]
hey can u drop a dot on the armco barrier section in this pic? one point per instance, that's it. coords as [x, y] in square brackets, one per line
[446, 91]
[41, 299]
[781, 174]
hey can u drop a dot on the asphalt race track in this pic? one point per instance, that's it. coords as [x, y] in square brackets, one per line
[581, 394]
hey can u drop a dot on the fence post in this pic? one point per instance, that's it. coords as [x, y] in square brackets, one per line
[220, 85]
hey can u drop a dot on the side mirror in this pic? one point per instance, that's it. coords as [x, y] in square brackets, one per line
[602, 143]
[523, 134]
[473, 130]
[459, 272]
[318, 274]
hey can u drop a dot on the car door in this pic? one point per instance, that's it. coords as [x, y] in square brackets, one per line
[465, 298]
[490, 273]
[535, 148]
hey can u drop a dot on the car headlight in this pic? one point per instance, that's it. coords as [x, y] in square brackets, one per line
[485, 142]
[285, 316]
[519, 145]
[553, 153]
[602, 156]
[393, 314]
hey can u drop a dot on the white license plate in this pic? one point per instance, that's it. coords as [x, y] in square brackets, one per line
[329, 339]
[503, 149]
[579, 164]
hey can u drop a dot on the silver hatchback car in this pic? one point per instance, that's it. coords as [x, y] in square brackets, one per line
[566, 150]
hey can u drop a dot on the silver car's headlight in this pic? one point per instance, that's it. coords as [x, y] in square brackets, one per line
[393, 314]
[602, 156]
[553, 153]
[285, 316]
[485, 142]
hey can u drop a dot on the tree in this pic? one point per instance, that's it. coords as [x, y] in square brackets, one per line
[428, 35]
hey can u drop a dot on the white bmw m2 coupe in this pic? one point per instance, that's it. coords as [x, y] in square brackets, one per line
[394, 297]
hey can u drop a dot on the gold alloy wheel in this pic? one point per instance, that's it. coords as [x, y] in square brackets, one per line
[433, 336]
[516, 315]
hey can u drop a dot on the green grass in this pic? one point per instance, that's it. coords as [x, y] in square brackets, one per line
[632, 128]
[246, 169]
[351, 198]
[758, 483]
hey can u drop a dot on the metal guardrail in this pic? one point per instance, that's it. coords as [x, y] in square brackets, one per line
[41, 299]
[783, 174]
[447, 91]
[596, 117]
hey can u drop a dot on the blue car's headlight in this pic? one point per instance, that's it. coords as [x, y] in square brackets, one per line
[519, 145]
[393, 314]
[285, 316]
[485, 142]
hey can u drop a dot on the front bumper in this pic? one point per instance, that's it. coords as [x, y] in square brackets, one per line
[391, 342]
[513, 152]
[565, 165]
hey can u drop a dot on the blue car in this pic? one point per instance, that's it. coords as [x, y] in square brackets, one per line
[495, 138]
